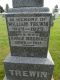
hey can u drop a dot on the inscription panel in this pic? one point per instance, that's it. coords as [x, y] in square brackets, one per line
[28, 31]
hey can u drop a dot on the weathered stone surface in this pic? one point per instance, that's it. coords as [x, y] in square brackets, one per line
[8, 79]
[27, 3]
[17, 68]
[29, 32]
[28, 10]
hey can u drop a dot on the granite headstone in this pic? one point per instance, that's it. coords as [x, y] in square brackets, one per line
[28, 25]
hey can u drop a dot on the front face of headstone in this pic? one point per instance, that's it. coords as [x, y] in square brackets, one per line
[27, 3]
[29, 34]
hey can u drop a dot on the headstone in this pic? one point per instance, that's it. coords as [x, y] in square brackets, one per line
[28, 31]
[27, 3]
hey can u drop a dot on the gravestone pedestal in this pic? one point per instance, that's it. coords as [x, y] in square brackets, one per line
[18, 68]
[28, 30]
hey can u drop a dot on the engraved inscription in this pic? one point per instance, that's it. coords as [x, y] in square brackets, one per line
[27, 31]
[33, 74]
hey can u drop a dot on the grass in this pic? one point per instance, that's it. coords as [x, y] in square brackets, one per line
[4, 47]
[54, 46]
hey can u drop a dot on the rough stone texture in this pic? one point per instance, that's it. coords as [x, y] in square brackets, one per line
[28, 9]
[30, 50]
[29, 64]
[8, 79]
[27, 3]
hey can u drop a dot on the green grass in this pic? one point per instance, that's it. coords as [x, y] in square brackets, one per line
[4, 47]
[54, 46]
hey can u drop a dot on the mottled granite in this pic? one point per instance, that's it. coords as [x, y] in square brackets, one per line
[26, 65]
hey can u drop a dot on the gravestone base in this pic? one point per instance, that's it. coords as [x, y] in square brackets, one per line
[7, 79]
[22, 68]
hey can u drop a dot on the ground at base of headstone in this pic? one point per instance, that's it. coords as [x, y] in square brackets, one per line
[7, 79]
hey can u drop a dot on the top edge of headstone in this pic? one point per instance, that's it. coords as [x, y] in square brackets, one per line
[28, 10]
[27, 3]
